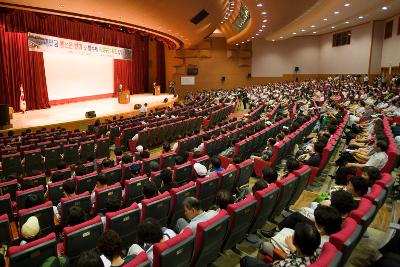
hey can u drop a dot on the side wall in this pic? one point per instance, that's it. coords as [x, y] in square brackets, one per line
[391, 46]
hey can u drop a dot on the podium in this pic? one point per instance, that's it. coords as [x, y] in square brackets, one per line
[4, 117]
[157, 90]
[124, 97]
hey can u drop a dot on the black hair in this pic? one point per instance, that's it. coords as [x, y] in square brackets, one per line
[166, 147]
[271, 141]
[76, 216]
[237, 159]
[179, 160]
[166, 176]
[269, 175]
[259, 185]
[144, 154]
[342, 201]
[319, 147]
[106, 163]
[216, 162]
[32, 200]
[126, 159]
[80, 170]
[61, 164]
[149, 190]
[373, 173]
[328, 218]
[192, 203]
[360, 185]
[292, 165]
[383, 145]
[154, 166]
[89, 258]
[110, 244]
[223, 199]
[306, 238]
[69, 187]
[118, 151]
[113, 203]
[102, 179]
[149, 231]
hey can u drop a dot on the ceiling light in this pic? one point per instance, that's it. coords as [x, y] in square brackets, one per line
[260, 30]
[265, 20]
[325, 19]
[347, 22]
[312, 26]
[243, 42]
[273, 40]
[281, 37]
[257, 34]
[333, 27]
[294, 33]
[347, 4]
[303, 30]
[263, 13]
[232, 4]
[336, 12]
[259, 4]
[237, 44]
[263, 26]
[314, 32]
[222, 22]
[384, 8]
[252, 37]
[360, 17]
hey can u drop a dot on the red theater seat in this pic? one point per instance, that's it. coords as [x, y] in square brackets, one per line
[245, 171]
[5, 231]
[287, 186]
[330, 257]
[86, 182]
[177, 196]
[157, 208]
[139, 261]
[45, 215]
[206, 190]
[102, 194]
[22, 195]
[82, 200]
[133, 190]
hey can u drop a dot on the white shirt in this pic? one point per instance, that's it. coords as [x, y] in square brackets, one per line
[378, 160]
[143, 109]
[206, 215]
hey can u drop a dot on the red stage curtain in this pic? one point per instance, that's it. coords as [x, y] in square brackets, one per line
[87, 31]
[19, 66]
[161, 66]
[123, 75]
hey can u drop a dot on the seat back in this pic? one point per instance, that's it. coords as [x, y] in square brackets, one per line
[377, 195]
[176, 251]
[11, 164]
[303, 175]
[33, 161]
[133, 190]
[114, 174]
[52, 157]
[386, 181]
[87, 150]
[330, 257]
[287, 186]
[45, 215]
[245, 171]
[22, 195]
[139, 261]
[82, 237]
[167, 160]
[33, 252]
[35, 180]
[55, 191]
[182, 173]
[206, 190]
[9, 187]
[71, 154]
[66, 174]
[157, 208]
[227, 179]
[81, 200]
[364, 214]
[266, 202]
[5, 206]
[177, 196]
[204, 160]
[210, 236]
[125, 223]
[155, 178]
[347, 238]
[241, 215]
[102, 194]
[5, 233]
[103, 148]
[86, 182]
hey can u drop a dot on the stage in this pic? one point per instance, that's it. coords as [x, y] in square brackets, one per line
[71, 116]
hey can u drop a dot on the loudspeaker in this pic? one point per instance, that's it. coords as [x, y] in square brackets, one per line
[199, 17]
[223, 79]
[248, 75]
[165, 100]
[137, 106]
[90, 114]
[4, 117]
[296, 69]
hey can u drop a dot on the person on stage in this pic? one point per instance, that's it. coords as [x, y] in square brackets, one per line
[22, 102]
[154, 88]
[119, 88]
[172, 88]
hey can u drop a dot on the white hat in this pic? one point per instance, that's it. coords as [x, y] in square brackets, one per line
[30, 228]
[268, 123]
[200, 169]
[139, 148]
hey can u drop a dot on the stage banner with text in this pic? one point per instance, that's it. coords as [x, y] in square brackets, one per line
[45, 43]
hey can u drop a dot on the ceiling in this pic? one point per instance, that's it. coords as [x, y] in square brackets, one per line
[171, 18]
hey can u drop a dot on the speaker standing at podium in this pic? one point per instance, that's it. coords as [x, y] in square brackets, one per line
[22, 102]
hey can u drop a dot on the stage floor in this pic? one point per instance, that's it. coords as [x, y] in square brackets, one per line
[74, 112]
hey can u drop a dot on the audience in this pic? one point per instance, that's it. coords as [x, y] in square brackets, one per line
[110, 245]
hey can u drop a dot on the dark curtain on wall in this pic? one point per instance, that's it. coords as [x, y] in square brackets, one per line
[161, 66]
[20, 66]
[18, 21]
[123, 75]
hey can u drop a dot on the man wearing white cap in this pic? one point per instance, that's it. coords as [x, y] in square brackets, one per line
[30, 230]
[139, 148]
[200, 170]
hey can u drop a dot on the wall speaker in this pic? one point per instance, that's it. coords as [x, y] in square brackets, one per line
[199, 17]
[90, 114]
[165, 100]
[296, 69]
[223, 79]
[137, 106]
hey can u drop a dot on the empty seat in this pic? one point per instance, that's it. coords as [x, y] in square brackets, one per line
[82, 200]
[209, 238]
[55, 192]
[227, 179]
[133, 190]
[182, 173]
[303, 175]
[287, 186]
[11, 164]
[102, 194]
[241, 215]
[177, 196]
[6, 206]
[45, 215]
[206, 190]
[245, 171]
[167, 160]
[113, 174]
[89, 167]
[36, 180]
[33, 252]
[86, 182]
[266, 201]
[52, 156]
[386, 181]
[139, 261]
[22, 195]
[9, 187]
[5, 231]
[176, 251]
[124, 222]
[330, 257]
[157, 208]
[82, 237]
[71, 154]
[33, 161]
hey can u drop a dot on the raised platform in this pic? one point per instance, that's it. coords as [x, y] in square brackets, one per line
[71, 116]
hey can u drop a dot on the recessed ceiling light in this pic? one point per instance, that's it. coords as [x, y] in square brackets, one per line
[333, 27]
[248, 40]
[314, 32]
[325, 19]
[281, 37]
[347, 4]
[237, 44]
[265, 20]
[260, 30]
[263, 26]
[384, 8]
[259, 4]
[360, 17]
[243, 42]
[347, 22]
[336, 12]
[257, 34]
[273, 40]
[252, 37]
[294, 33]
[303, 30]
[222, 22]
[263, 13]
[312, 26]
[232, 4]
